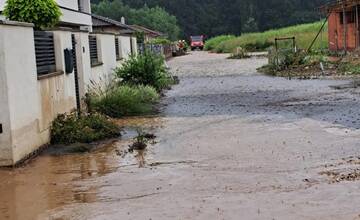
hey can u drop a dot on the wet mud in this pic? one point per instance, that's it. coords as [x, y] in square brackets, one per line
[229, 142]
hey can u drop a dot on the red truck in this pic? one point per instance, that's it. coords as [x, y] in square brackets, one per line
[197, 42]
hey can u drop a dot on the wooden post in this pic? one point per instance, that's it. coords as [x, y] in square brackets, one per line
[345, 28]
[357, 25]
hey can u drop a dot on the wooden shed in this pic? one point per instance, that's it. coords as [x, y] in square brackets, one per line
[343, 24]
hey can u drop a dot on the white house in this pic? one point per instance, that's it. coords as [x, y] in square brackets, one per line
[36, 79]
[125, 34]
[75, 13]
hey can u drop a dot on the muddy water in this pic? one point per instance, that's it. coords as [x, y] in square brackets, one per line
[53, 180]
[231, 142]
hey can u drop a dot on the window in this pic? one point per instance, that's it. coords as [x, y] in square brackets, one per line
[94, 58]
[350, 17]
[44, 52]
[117, 49]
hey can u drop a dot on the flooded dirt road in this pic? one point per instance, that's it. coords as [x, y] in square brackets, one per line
[231, 144]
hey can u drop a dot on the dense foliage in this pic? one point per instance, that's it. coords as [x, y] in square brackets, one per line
[42, 13]
[216, 17]
[145, 69]
[68, 129]
[155, 18]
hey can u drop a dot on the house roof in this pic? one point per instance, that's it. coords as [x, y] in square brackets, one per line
[100, 21]
[147, 30]
[336, 5]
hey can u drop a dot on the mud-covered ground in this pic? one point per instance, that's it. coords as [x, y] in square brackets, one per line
[232, 144]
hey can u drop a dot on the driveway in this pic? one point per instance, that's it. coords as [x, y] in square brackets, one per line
[232, 144]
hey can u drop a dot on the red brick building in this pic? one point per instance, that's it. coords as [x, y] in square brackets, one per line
[343, 24]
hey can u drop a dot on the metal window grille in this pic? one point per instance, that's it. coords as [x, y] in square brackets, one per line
[44, 52]
[94, 58]
[117, 48]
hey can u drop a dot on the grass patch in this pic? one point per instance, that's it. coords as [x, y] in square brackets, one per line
[304, 34]
[70, 128]
[124, 100]
[349, 67]
[212, 43]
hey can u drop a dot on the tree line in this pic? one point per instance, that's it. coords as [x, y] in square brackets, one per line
[216, 17]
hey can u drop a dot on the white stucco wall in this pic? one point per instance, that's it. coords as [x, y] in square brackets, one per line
[5, 137]
[107, 56]
[28, 105]
[125, 46]
[2, 4]
[73, 4]
[83, 61]
[73, 17]
[57, 93]
[19, 69]
[134, 44]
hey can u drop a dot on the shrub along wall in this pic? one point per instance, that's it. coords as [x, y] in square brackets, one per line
[139, 82]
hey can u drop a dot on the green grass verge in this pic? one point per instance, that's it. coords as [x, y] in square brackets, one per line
[304, 33]
[125, 100]
[212, 43]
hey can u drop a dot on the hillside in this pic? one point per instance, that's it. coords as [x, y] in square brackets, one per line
[215, 17]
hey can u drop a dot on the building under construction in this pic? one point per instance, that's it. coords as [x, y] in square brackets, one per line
[343, 24]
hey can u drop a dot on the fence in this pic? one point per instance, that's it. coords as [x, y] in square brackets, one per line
[278, 55]
[159, 49]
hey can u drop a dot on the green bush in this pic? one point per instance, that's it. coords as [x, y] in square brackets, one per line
[68, 129]
[145, 69]
[140, 37]
[212, 43]
[42, 13]
[124, 100]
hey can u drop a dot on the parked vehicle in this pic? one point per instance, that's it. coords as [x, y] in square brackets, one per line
[197, 42]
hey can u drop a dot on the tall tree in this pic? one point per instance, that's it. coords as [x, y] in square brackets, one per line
[154, 18]
[214, 17]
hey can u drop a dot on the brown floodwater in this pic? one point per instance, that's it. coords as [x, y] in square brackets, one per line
[53, 180]
[231, 143]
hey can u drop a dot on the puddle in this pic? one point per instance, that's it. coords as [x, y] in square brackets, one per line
[351, 85]
[61, 176]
